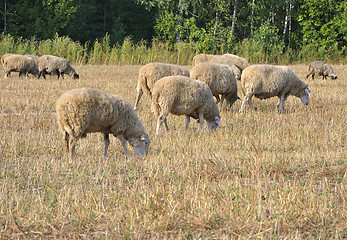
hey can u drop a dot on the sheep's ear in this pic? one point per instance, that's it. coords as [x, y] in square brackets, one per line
[307, 91]
[217, 119]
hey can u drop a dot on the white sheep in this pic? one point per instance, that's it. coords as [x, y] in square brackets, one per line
[265, 81]
[240, 62]
[220, 78]
[86, 110]
[55, 65]
[321, 69]
[181, 95]
[19, 63]
[152, 72]
[217, 59]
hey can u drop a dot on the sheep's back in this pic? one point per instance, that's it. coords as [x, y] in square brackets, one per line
[238, 61]
[217, 76]
[264, 79]
[90, 109]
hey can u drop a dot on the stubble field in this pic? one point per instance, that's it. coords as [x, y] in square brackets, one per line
[261, 175]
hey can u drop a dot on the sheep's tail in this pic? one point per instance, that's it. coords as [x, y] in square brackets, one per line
[2, 61]
[142, 84]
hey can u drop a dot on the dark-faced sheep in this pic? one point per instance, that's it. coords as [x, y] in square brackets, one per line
[152, 72]
[321, 69]
[86, 110]
[265, 81]
[180, 95]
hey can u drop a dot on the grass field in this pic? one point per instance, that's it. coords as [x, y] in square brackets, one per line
[261, 175]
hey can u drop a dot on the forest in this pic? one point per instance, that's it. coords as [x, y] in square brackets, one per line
[300, 29]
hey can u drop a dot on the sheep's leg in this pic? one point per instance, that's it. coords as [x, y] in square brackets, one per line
[187, 123]
[166, 126]
[160, 121]
[247, 98]
[221, 102]
[72, 145]
[309, 74]
[139, 95]
[107, 143]
[67, 141]
[62, 75]
[281, 103]
[312, 76]
[58, 75]
[217, 98]
[201, 119]
[125, 146]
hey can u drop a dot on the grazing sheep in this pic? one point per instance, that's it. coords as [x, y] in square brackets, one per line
[240, 62]
[265, 81]
[55, 65]
[19, 63]
[86, 110]
[220, 78]
[181, 95]
[322, 69]
[217, 59]
[152, 72]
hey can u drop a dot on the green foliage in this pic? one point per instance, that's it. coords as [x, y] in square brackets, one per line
[266, 44]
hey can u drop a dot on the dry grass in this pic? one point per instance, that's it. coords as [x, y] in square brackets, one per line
[262, 175]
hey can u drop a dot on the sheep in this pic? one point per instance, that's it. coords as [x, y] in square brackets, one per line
[322, 69]
[217, 59]
[220, 78]
[265, 81]
[55, 65]
[152, 72]
[87, 110]
[19, 63]
[240, 62]
[181, 95]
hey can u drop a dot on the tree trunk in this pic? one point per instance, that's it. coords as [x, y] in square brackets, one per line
[286, 20]
[252, 17]
[179, 21]
[234, 19]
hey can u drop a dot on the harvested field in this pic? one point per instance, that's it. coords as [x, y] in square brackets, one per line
[261, 175]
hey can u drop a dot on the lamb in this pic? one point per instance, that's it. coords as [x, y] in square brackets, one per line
[265, 81]
[217, 59]
[240, 62]
[181, 95]
[19, 63]
[55, 65]
[152, 72]
[220, 78]
[322, 69]
[87, 110]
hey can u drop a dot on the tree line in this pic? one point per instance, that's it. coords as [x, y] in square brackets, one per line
[211, 26]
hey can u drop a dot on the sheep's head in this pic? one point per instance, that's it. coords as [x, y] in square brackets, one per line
[140, 144]
[332, 75]
[214, 123]
[304, 95]
[75, 75]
